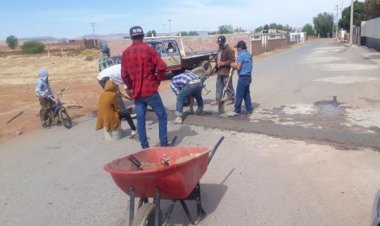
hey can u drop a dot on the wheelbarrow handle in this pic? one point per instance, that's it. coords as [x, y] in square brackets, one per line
[214, 149]
[135, 161]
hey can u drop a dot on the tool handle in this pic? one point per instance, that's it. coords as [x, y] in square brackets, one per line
[215, 148]
[135, 161]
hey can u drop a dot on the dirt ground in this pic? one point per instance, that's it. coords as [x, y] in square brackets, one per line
[17, 84]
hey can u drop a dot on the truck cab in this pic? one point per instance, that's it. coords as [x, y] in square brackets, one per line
[170, 53]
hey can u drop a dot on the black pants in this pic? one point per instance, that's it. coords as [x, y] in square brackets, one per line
[125, 114]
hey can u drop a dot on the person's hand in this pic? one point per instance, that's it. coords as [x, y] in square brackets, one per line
[234, 65]
[129, 92]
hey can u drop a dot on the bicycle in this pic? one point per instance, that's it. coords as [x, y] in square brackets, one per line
[56, 111]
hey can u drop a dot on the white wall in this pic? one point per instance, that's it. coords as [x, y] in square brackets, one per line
[371, 28]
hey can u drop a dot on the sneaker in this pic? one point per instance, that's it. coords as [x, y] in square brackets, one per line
[178, 120]
[215, 102]
[133, 134]
[233, 114]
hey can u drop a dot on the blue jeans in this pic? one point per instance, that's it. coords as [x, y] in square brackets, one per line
[221, 82]
[156, 103]
[243, 93]
[194, 90]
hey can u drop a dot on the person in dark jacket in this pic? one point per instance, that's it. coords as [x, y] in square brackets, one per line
[225, 56]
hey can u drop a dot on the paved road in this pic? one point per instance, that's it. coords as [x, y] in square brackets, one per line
[322, 91]
[55, 176]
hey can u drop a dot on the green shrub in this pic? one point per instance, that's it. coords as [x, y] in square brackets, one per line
[32, 47]
[12, 42]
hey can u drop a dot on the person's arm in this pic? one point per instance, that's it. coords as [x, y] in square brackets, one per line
[230, 57]
[124, 72]
[160, 66]
[238, 63]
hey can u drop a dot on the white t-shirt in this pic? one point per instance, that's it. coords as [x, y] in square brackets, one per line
[113, 72]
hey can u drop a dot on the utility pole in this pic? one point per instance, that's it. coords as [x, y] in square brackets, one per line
[337, 20]
[163, 29]
[352, 22]
[93, 33]
[170, 28]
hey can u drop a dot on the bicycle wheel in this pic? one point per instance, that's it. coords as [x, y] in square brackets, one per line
[145, 215]
[45, 118]
[65, 118]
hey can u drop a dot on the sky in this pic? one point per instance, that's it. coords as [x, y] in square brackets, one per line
[75, 18]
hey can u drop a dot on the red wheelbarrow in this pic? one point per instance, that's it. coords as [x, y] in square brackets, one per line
[161, 173]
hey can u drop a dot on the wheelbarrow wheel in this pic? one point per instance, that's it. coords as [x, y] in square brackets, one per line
[145, 215]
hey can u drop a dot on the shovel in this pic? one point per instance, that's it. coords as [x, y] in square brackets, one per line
[222, 101]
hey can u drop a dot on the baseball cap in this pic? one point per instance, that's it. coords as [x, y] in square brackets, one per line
[135, 31]
[241, 45]
[221, 39]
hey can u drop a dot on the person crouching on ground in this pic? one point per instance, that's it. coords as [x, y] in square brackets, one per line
[44, 94]
[187, 85]
[114, 73]
[109, 112]
[244, 67]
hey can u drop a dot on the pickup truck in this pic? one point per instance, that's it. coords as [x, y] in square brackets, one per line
[177, 60]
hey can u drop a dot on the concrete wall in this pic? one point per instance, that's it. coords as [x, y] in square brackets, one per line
[370, 33]
[73, 44]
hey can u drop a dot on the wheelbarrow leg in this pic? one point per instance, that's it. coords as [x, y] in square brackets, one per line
[200, 211]
[187, 211]
[169, 212]
[131, 205]
[157, 212]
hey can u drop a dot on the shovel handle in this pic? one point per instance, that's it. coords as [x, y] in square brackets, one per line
[214, 149]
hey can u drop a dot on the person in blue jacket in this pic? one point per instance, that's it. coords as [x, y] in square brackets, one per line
[244, 67]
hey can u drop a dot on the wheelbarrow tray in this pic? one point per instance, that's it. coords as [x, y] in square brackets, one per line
[186, 167]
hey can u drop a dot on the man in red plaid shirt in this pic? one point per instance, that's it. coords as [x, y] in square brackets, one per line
[142, 70]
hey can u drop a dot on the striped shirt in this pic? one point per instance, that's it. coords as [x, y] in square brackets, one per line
[179, 81]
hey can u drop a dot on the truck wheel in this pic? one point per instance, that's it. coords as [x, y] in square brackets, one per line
[207, 66]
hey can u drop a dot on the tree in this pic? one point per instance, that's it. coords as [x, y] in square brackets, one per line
[151, 33]
[190, 33]
[32, 47]
[346, 16]
[371, 9]
[308, 28]
[12, 42]
[239, 29]
[323, 24]
[225, 29]
[275, 26]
